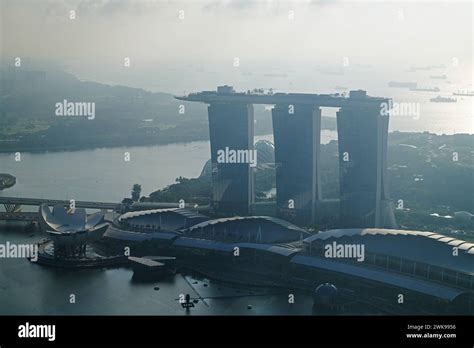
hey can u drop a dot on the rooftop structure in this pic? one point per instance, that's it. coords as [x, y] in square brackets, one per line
[426, 255]
[256, 229]
[172, 219]
[327, 100]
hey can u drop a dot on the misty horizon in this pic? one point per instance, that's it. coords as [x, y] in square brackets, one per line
[179, 47]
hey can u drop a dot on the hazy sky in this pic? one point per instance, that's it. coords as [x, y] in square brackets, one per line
[273, 37]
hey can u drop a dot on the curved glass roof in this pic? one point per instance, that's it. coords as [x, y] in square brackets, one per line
[419, 246]
[279, 222]
[180, 211]
[380, 231]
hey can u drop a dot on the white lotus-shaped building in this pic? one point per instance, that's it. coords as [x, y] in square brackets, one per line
[75, 228]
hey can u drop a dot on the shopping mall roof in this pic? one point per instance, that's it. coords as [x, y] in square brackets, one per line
[179, 211]
[419, 246]
[388, 278]
[270, 219]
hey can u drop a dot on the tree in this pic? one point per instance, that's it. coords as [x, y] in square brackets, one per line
[136, 192]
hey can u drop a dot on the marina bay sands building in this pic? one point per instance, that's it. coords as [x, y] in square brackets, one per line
[362, 134]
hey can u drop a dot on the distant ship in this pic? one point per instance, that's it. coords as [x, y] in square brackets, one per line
[464, 94]
[428, 67]
[397, 84]
[440, 99]
[426, 89]
[438, 77]
[275, 75]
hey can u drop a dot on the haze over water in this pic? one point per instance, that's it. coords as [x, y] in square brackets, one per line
[290, 46]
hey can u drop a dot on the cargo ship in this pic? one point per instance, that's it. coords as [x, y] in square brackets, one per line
[440, 99]
[438, 77]
[425, 89]
[464, 93]
[397, 84]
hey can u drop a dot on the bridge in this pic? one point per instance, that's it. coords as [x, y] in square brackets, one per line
[19, 216]
[13, 204]
[13, 207]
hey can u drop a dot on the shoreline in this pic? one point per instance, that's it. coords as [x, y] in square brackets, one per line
[73, 148]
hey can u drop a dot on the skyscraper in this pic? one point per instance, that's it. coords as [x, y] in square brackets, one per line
[296, 130]
[362, 133]
[231, 127]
